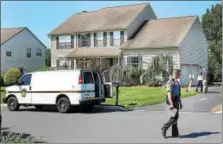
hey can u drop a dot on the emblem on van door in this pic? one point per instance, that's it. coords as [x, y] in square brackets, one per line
[23, 92]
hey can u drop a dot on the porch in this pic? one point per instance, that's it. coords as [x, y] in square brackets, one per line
[99, 59]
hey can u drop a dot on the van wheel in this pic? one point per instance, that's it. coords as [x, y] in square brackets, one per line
[63, 105]
[12, 104]
[38, 107]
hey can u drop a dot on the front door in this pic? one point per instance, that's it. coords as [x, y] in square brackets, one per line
[25, 95]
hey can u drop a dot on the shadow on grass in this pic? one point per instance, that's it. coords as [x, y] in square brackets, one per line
[198, 134]
[104, 108]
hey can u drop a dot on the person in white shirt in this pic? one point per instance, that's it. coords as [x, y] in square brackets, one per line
[200, 82]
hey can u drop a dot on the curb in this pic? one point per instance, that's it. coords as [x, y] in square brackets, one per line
[3, 105]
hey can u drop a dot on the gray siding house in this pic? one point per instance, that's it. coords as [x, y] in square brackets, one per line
[129, 36]
[20, 48]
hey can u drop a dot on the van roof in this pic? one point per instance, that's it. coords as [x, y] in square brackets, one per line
[74, 70]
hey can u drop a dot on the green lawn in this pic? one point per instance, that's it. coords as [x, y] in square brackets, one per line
[140, 96]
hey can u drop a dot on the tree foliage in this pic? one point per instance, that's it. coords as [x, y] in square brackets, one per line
[159, 70]
[212, 26]
[48, 57]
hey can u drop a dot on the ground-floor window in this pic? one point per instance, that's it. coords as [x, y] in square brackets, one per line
[63, 62]
[134, 61]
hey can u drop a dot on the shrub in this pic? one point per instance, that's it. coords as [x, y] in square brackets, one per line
[9, 137]
[12, 76]
[44, 69]
[1, 81]
[130, 76]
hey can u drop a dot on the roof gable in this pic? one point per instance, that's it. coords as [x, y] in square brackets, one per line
[8, 33]
[110, 18]
[160, 33]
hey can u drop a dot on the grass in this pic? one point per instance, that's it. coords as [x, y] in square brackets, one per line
[131, 97]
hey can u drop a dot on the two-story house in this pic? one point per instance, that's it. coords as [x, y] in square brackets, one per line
[129, 36]
[20, 48]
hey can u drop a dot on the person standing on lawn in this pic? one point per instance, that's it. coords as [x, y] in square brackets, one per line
[173, 102]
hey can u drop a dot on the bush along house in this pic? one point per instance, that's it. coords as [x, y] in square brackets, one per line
[129, 36]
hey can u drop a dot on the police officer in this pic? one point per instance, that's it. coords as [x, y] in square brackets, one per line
[173, 101]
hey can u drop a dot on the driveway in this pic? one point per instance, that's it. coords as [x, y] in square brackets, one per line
[199, 103]
[115, 125]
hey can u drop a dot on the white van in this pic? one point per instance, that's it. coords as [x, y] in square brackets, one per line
[62, 88]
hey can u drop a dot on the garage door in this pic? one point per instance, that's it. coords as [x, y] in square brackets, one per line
[195, 70]
[185, 74]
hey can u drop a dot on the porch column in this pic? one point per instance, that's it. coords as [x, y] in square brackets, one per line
[72, 63]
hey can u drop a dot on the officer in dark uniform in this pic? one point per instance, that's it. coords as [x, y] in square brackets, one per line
[173, 101]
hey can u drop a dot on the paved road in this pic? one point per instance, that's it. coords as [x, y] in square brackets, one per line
[113, 125]
[199, 103]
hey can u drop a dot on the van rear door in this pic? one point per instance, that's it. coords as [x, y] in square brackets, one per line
[87, 85]
[107, 81]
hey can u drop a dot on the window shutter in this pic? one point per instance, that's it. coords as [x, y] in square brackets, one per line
[111, 39]
[89, 39]
[121, 37]
[128, 61]
[79, 40]
[140, 61]
[57, 42]
[72, 41]
[105, 39]
[95, 40]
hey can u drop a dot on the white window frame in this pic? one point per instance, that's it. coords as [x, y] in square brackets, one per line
[133, 63]
[38, 53]
[27, 52]
[66, 39]
[116, 35]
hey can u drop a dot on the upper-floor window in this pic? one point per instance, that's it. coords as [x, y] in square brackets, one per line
[65, 42]
[116, 38]
[28, 52]
[38, 52]
[98, 39]
[8, 53]
[84, 40]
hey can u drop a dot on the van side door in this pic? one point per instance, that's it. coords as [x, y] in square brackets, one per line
[24, 94]
[107, 82]
[88, 85]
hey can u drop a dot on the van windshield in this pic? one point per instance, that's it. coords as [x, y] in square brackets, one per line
[88, 78]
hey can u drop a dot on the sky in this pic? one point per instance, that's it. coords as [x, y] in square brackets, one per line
[41, 17]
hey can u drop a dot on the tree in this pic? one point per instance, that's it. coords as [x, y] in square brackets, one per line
[212, 26]
[48, 57]
[159, 70]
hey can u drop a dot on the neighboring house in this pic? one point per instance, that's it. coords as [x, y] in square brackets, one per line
[20, 48]
[129, 36]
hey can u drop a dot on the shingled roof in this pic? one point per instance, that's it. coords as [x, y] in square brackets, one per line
[160, 33]
[8, 33]
[94, 52]
[110, 18]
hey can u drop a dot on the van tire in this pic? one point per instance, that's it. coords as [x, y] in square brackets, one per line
[12, 103]
[63, 105]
